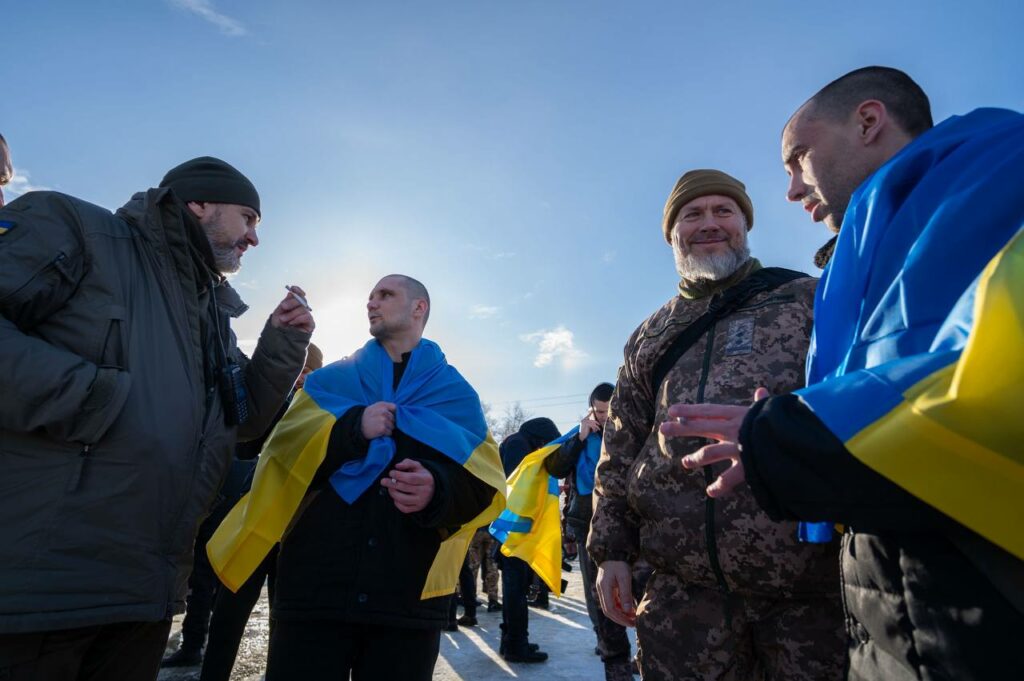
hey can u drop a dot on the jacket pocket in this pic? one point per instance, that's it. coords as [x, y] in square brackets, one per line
[113, 350]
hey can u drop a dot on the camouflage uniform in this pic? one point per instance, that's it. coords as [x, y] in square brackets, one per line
[481, 557]
[733, 594]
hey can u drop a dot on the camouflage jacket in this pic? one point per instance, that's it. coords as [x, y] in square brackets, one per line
[646, 505]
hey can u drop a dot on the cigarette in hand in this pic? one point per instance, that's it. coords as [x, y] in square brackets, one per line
[298, 296]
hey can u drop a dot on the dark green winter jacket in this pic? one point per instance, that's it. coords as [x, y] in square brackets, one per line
[113, 441]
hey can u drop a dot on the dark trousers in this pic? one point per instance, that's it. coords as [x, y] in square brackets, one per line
[231, 613]
[202, 588]
[515, 579]
[612, 640]
[313, 650]
[126, 651]
[467, 590]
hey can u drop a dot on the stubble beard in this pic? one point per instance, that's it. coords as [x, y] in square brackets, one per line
[225, 257]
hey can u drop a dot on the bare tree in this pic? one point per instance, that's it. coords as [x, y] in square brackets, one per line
[510, 421]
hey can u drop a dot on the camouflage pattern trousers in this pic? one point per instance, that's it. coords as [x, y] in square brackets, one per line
[689, 632]
[481, 557]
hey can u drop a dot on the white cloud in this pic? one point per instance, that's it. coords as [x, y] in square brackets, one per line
[609, 256]
[552, 344]
[501, 255]
[21, 184]
[204, 9]
[483, 311]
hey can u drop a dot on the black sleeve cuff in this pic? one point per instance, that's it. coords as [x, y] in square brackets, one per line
[440, 504]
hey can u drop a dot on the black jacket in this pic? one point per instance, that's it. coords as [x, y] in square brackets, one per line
[531, 436]
[561, 463]
[925, 598]
[367, 562]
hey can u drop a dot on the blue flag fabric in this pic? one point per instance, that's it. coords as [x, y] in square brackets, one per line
[586, 467]
[924, 270]
[434, 405]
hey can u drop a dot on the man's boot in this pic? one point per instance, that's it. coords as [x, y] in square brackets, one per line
[185, 656]
[529, 654]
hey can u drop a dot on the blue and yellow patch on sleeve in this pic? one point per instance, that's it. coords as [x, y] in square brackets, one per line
[6, 226]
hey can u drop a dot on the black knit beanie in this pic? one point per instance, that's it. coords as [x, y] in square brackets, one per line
[211, 179]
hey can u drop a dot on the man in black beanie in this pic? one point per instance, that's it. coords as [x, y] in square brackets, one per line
[124, 395]
[515, 573]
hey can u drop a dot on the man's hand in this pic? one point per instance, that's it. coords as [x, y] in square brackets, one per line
[410, 485]
[615, 591]
[719, 422]
[588, 426]
[291, 313]
[378, 420]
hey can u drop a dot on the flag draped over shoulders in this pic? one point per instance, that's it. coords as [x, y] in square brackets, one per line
[530, 528]
[434, 405]
[917, 357]
[586, 467]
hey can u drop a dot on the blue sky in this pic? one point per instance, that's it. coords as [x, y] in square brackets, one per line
[515, 157]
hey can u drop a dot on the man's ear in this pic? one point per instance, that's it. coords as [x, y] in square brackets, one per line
[199, 208]
[871, 117]
[421, 307]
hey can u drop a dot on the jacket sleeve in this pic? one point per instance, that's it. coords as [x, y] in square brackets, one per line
[47, 387]
[270, 375]
[798, 469]
[561, 462]
[613, 529]
[459, 496]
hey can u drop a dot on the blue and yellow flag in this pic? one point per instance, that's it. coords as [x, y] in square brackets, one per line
[917, 358]
[435, 405]
[531, 527]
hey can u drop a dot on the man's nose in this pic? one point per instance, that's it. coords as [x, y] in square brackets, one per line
[796, 190]
[251, 237]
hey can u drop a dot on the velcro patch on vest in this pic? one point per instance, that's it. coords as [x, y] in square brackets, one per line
[6, 226]
[739, 337]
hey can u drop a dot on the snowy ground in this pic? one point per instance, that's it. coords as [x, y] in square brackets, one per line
[470, 654]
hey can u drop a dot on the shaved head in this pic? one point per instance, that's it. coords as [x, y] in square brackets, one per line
[414, 289]
[904, 99]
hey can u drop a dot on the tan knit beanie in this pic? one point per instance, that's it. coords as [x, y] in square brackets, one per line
[314, 357]
[697, 183]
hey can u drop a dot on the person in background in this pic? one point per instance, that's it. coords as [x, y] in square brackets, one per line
[6, 168]
[515, 573]
[577, 460]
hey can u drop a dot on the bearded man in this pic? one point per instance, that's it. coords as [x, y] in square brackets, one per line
[734, 595]
[124, 395]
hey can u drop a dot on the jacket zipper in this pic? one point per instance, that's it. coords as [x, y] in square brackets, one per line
[76, 474]
[709, 503]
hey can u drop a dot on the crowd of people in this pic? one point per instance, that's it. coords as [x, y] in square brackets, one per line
[791, 477]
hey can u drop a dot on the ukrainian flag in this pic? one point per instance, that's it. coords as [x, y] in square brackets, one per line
[917, 358]
[531, 527]
[435, 405]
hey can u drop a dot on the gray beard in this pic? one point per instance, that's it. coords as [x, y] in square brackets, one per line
[225, 259]
[713, 267]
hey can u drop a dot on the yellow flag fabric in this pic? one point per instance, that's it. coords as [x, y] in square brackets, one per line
[530, 528]
[297, 447]
[960, 431]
